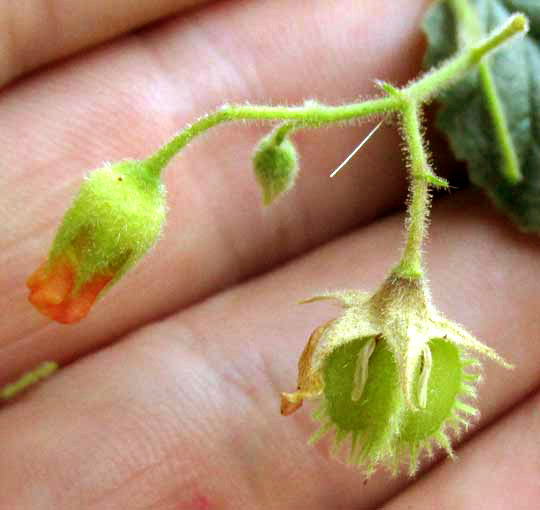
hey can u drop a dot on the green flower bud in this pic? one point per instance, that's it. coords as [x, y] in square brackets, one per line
[116, 217]
[276, 165]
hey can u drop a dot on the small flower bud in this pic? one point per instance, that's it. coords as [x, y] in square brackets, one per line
[116, 217]
[276, 166]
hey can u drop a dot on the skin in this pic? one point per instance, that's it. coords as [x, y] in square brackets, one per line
[170, 396]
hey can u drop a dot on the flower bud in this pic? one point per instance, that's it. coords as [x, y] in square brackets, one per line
[116, 217]
[276, 166]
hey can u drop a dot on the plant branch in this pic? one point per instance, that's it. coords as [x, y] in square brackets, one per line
[467, 59]
[410, 265]
[470, 30]
[315, 115]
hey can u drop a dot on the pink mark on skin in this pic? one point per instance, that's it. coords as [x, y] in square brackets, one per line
[201, 503]
[198, 502]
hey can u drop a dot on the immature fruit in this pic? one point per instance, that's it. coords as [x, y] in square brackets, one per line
[381, 428]
[447, 385]
[391, 373]
[373, 419]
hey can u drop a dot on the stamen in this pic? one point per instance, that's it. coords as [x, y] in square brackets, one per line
[361, 372]
[424, 376]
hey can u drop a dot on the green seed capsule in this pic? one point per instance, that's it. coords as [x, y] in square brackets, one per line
[447, 383]
[391, 374]
[372, 418]
[363, 402]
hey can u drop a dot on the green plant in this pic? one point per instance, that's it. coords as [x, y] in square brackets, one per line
[389, 353]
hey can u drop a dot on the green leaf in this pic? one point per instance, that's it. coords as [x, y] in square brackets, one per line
[465, 116]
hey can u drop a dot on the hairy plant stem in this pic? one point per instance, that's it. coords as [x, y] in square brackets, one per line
[314, 115]
[470, 30]
[406, 102]
[282, 131]
[410, 265]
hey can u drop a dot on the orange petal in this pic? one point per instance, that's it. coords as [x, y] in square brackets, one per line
[50, 287]
[51, 292]
[290, 402]
[54, 289]
[38, 276]
[77, 307]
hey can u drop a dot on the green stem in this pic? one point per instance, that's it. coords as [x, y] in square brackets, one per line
[314, 115]
[470, 30]
[410, 265]
[282, 131]
[464, 61]
[28, 379]
[510, 167]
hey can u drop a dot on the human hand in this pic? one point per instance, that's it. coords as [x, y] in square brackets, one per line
[171, 399]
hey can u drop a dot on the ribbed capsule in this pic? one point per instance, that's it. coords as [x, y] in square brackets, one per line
[392, 376]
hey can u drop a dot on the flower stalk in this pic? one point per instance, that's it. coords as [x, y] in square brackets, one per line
[470, 31]
[410, 265]
[314, 115]
[392, 372]
[98, 240]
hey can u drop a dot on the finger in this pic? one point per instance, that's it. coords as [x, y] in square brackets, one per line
[126, 100]
[37, 32]
[497, 469]
[187, 409]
